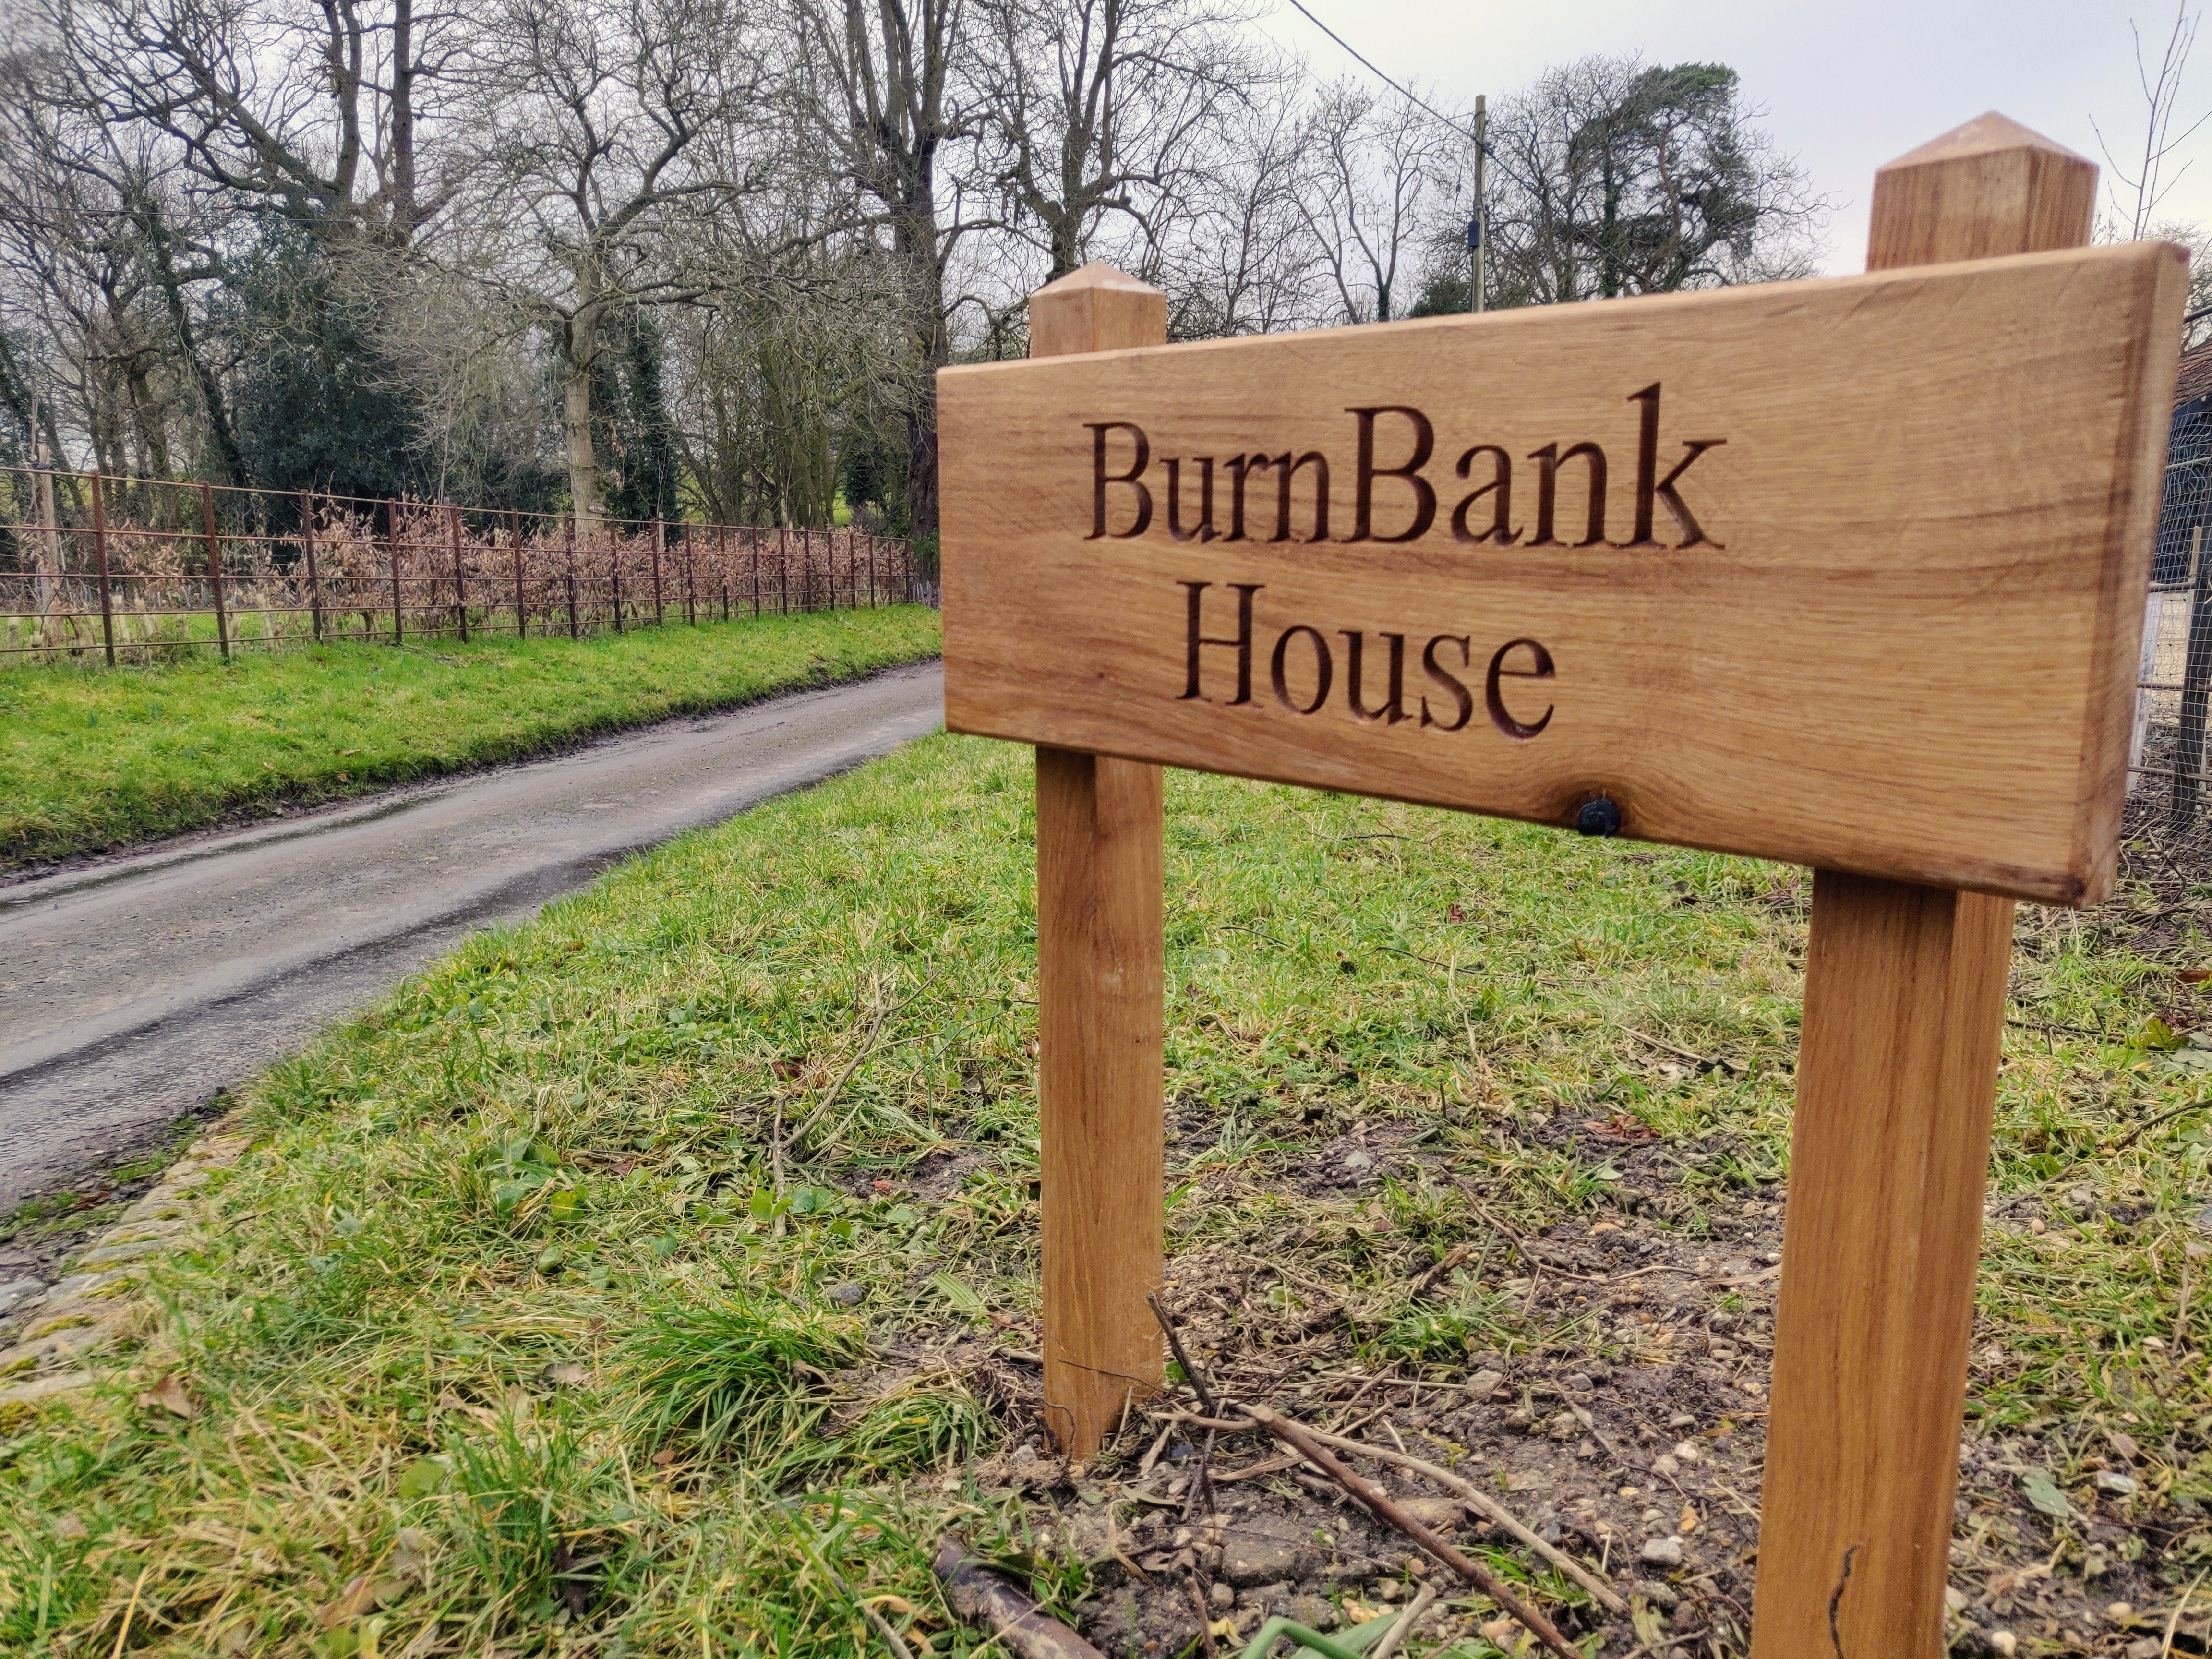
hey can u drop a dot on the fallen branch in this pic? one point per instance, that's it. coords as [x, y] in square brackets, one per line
[980, 1596]
[1490, 1508]
[1387, 1509]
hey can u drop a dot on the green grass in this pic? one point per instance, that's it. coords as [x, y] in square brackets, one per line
[552, 1257]
[93, 758]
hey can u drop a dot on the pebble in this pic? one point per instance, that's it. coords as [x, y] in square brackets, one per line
[1483, 1384]
[2003, 1643]
[847, 1295]
[2118, 1485]
[1687, 1453]
[1222, 1596]
[1665, 1464]
[2119, 1613]
[1661, 1552]
[1954, 1598]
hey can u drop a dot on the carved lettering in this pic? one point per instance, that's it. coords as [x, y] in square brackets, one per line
[1693, 534]
[1324, 670]
[1241, 640]
[1540, 669]
[1500, 488]
[1424, 497]
[1287, 470]
[1239, 466]
[1462, 701]
[1203, 531]
[1548, 461]
[1101, 478]
[1387, 454]
[1393, 706]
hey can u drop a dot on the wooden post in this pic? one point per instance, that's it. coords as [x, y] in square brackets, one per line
[1101, 1001]
[100, 552]
[215, 568]
[1905, 994]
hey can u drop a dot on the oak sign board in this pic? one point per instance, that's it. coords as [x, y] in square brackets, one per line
[1847, 572]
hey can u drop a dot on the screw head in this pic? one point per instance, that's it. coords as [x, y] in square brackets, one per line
[1599, 816]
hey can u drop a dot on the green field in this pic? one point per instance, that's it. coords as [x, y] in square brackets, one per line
[95, 758]
[574, 1250]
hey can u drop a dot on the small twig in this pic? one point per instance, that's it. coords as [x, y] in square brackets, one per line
[892, 1639]
[1490, 1508]
[868, 1046]
[1395, 1635]
[1254, 1471]
[2165, 1648]
[1197, 1378]
[2141, 1129]
[1198, 1607]
[1416, 955]
[1450, 1259]
[1387, 1509]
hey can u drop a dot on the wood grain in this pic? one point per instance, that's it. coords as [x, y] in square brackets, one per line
[1890, 635]
[1101, 996]
[1905, 993]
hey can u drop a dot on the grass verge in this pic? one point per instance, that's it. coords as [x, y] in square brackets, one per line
[93, 758]
[614, 1280]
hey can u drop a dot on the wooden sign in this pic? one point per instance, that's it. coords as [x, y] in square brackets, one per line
[1847, 572]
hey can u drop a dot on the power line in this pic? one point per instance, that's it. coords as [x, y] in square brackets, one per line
[1402, 91]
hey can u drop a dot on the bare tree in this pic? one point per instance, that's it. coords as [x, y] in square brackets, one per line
[1373, 167]
[889, 89]
[1106, 107]
[600, 118]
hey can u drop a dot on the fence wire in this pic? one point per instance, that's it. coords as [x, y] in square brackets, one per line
[133, 570]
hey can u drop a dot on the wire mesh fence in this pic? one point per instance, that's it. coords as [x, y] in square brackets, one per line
[2166, 782]
[132, 568]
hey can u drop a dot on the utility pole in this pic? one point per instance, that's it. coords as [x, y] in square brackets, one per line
[1478, 225]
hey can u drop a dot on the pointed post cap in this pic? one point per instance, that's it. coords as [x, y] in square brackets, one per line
[1988, 188]
[1097, 308]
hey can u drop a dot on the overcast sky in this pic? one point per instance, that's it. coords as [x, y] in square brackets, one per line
[1846, 86]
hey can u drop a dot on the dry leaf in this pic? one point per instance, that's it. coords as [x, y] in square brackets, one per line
[1224, 1628]
[1688, 1524]
[788, 1069]
[169, 1394]
[896, 1603]
[2192, 976]
[360, 1596]
[665, 1456]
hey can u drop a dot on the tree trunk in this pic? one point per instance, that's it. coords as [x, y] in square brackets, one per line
[577, 343]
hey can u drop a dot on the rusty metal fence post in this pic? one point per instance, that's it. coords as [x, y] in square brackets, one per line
[315, 576]
[659, 531]
[214, 569]
[460, 574]
[572, 633]
[99, 553]
[392, 541]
